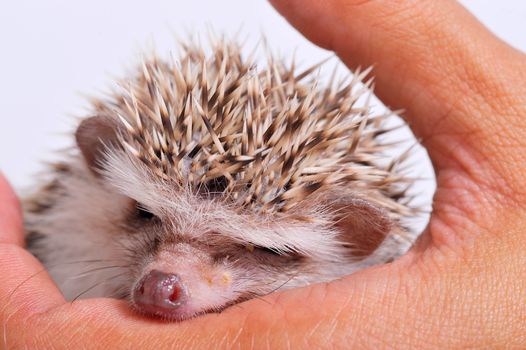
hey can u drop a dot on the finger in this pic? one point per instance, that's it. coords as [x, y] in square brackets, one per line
[25, 286]
[10, 215]
[273, 323]
[461, 87]
[367, 310]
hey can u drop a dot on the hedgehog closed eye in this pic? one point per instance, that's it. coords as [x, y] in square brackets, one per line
[260, 249]
[257, 249]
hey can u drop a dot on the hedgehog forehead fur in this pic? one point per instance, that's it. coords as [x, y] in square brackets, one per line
[269, 136]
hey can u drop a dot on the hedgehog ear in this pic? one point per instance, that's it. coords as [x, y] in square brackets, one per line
[93, 136]
[363, 226]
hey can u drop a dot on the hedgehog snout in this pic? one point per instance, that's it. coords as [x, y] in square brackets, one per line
[181, 281]
[159, 293]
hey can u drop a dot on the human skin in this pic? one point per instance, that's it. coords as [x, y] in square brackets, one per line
[464, 282]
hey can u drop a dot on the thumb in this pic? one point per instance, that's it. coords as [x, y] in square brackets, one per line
[435, 60]
[461, 88]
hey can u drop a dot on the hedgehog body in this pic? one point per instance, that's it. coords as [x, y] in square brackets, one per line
[205, 181]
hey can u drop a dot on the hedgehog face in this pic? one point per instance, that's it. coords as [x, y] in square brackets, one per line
[191, 252]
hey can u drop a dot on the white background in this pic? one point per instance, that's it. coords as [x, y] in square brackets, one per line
[51, 51]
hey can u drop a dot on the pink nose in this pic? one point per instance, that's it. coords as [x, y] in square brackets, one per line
[159, 293]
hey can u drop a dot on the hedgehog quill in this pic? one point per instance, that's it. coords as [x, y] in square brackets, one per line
[205, 181]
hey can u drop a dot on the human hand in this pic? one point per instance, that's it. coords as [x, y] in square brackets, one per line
[462, 285]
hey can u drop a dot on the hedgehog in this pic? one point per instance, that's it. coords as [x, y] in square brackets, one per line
[205, 180]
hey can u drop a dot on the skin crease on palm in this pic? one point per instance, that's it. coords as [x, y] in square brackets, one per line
[462, 285]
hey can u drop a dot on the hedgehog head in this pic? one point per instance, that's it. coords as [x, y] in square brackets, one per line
[238, 179]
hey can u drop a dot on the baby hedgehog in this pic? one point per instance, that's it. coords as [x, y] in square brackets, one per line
[205, 181]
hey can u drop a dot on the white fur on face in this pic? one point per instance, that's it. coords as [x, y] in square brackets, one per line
[194, 216]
